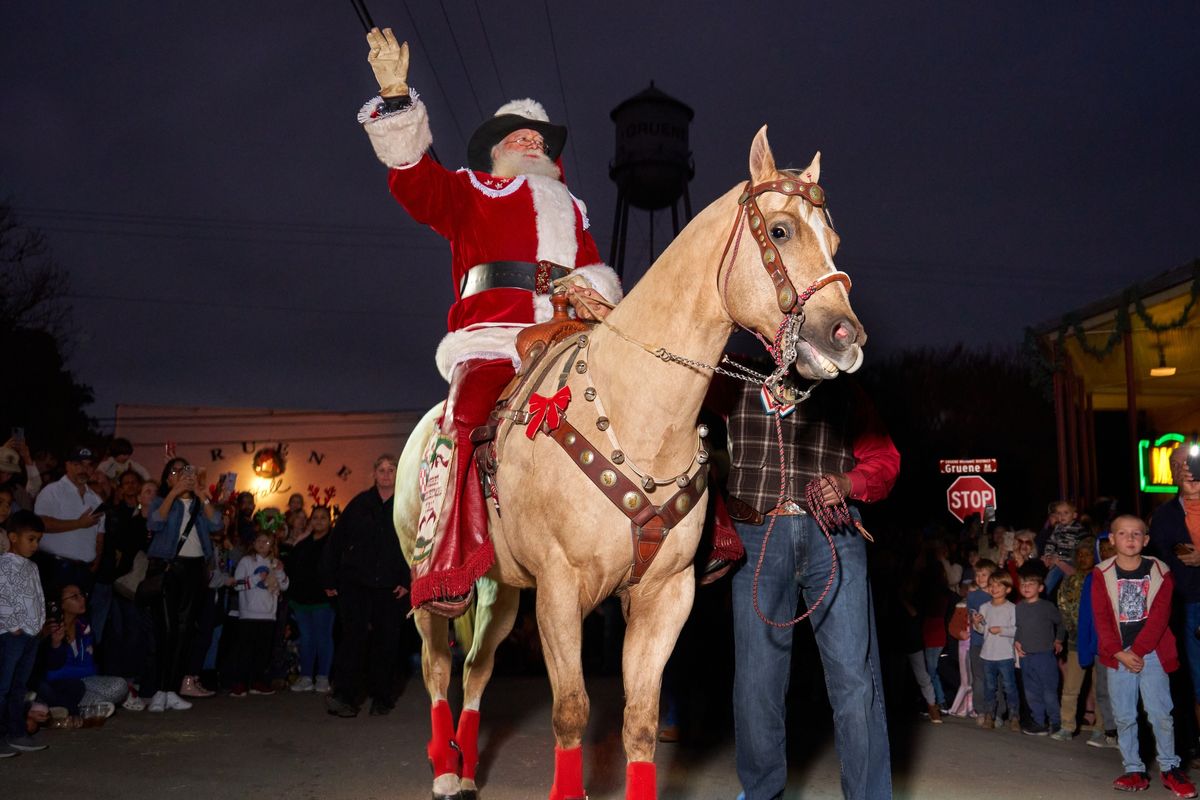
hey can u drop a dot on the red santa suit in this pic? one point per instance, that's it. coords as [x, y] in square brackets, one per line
[486, 218]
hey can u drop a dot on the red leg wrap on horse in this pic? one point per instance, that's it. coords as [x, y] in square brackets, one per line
[568, 774]
[640, 781]
[441, 753]
[468, 741]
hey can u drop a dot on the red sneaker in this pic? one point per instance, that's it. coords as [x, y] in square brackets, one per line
[1177, 781]
[238, 690]
[1133, 782]
[260, 687]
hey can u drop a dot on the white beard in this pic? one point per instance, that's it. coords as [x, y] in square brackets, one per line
[510, 164]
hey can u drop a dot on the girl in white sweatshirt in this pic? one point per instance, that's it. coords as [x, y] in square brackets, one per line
[258, 579]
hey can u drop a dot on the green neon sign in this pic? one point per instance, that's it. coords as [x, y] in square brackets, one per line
[1154, 466]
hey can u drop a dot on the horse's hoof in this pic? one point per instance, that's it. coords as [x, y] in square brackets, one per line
[468, 794]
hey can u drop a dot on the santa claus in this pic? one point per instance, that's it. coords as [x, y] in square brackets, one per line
[515, 230]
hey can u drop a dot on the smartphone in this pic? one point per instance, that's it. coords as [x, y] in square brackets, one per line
[1193, 460]
[18, 435]
[226, 486]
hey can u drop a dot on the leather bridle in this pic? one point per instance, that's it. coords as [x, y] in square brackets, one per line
[785, 348]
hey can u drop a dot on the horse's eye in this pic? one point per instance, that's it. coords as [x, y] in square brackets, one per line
[780, 233]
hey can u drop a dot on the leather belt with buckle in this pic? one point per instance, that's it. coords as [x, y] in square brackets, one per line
[536, 278]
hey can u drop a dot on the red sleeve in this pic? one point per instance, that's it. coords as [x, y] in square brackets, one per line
[1108, 635]
[430, 193]
[1151, 634]
[876, 459]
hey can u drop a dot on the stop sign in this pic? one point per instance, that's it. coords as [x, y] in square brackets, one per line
[968, 495]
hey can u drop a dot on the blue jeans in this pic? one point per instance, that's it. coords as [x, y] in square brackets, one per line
[798, 560]
[1007, 673]
[1040, 673]
[17, 654]
[1191, 645]
[316, 639]
[1152, 684]
[1053, 578]
[932, 654]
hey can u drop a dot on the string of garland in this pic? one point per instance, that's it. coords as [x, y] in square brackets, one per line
[1072, 323]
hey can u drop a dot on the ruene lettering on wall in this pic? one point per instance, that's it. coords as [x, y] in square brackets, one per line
[344, 472]
[216, 454]
[316, 458]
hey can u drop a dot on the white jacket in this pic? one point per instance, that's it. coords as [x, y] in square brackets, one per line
[255, 600]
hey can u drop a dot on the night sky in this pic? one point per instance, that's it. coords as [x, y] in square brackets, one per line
[230, 239]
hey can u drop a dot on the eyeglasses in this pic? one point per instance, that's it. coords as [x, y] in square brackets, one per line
[526, 142]
[78, 596]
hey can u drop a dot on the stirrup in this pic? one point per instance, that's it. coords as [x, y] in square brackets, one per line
[450, 607]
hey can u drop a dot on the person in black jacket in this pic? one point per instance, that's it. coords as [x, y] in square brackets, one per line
[362, 567]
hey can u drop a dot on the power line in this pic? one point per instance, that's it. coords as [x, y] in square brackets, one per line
[563, 92]
[487, 40]
[462, 61]
[436, 79]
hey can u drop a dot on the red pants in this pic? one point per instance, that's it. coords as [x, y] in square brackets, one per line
[462, 551]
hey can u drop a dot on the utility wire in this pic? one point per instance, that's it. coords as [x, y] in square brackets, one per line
[487, 40]
[578, 177]
[462, 61]
[436, 79]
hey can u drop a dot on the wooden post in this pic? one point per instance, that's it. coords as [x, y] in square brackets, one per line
[1071, 417]
[1093, 474]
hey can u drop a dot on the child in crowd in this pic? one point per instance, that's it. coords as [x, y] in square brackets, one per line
[1040, 636]
[997, 621]
[977, 597]
[22, 616]
[72, 678]
[1060, 542]
[959, 629]
[1131, 598]
[259, 580]
[1070, 594]
[310, 605]
[120, 460]
[1105, 733]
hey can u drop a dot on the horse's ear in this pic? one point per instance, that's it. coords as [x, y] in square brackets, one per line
[812, 173]
[762, 163]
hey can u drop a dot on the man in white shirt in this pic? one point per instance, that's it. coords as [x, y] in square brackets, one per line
[73, 526]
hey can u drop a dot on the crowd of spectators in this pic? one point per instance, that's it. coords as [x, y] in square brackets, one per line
[121, 589]
[1057, 632]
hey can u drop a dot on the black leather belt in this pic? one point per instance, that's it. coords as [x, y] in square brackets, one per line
[526, 275]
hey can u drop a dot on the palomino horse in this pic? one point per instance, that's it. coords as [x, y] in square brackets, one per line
[562, 534]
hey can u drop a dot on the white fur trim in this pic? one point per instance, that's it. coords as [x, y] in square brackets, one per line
[526, 107]
[555, 216]
[603, 279]
[400, 138]
[489, 191]
[582, 211]
[479, 342]
[542, 310]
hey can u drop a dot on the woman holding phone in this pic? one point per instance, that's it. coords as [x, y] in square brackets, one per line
[180, 521]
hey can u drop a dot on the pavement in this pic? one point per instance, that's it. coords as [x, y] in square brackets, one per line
[286, 746]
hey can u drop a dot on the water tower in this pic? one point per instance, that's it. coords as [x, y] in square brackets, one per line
[653, 164]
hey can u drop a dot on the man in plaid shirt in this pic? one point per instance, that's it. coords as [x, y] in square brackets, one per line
[835, 434]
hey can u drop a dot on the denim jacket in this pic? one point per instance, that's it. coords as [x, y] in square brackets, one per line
[165, 533]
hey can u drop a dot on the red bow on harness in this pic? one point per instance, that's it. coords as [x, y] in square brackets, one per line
[547, 409]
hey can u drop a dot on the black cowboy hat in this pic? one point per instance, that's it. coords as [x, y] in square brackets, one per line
[513, 116]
